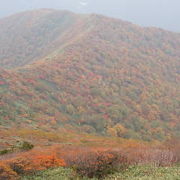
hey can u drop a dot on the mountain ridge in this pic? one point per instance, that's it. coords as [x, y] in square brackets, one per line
[102, 75]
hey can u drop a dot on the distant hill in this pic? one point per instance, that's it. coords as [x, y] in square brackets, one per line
[89, 73]
[27, 36]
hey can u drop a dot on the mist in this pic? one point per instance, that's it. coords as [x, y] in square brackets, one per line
[159, 13]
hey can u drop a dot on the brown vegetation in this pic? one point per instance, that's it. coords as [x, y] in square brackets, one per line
[6, 173]
[90, 161]
[99, 75]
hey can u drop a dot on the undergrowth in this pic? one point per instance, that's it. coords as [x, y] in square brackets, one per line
[146, 172]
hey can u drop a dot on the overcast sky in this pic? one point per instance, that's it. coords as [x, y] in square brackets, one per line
[159, 13]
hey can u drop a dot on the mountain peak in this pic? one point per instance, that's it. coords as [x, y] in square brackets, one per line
[95, 73]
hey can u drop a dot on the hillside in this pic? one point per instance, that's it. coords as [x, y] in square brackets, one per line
[89, 73]
[27, 36]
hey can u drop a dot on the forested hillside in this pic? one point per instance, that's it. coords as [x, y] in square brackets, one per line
[27, 36]
[89, 73]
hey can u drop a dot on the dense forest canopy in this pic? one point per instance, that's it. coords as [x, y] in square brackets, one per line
[89, 73]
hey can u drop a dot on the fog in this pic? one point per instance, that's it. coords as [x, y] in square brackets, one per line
[159, 13]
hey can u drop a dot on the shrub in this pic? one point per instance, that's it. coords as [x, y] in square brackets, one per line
[30, 164]
[47, 161]
[20, 165]
[6, 173]
[96, 164]
[157, 156]
[174, 146]
[21, 146]
[5, 151]
[25, 146]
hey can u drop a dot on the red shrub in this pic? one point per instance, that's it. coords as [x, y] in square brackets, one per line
[93, 163]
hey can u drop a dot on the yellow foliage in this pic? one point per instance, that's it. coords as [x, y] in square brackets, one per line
[118, 130]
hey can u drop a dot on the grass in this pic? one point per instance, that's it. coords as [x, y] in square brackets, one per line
[132, 173]
[147, 173]
[51, 174]
[55, 174]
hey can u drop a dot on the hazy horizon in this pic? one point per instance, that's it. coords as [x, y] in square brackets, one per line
[158, 13]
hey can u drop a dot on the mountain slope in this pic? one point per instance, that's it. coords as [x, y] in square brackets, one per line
[102, 75]
[27, 36]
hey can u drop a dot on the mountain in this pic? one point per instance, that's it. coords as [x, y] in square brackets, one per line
[28, 36]
[89, 73]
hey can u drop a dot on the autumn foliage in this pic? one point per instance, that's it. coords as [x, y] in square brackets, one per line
[98, 75]
[96, 163]
[35, 163]
[30, 162]
[91, 161]
[6, 173]
[86, 75]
